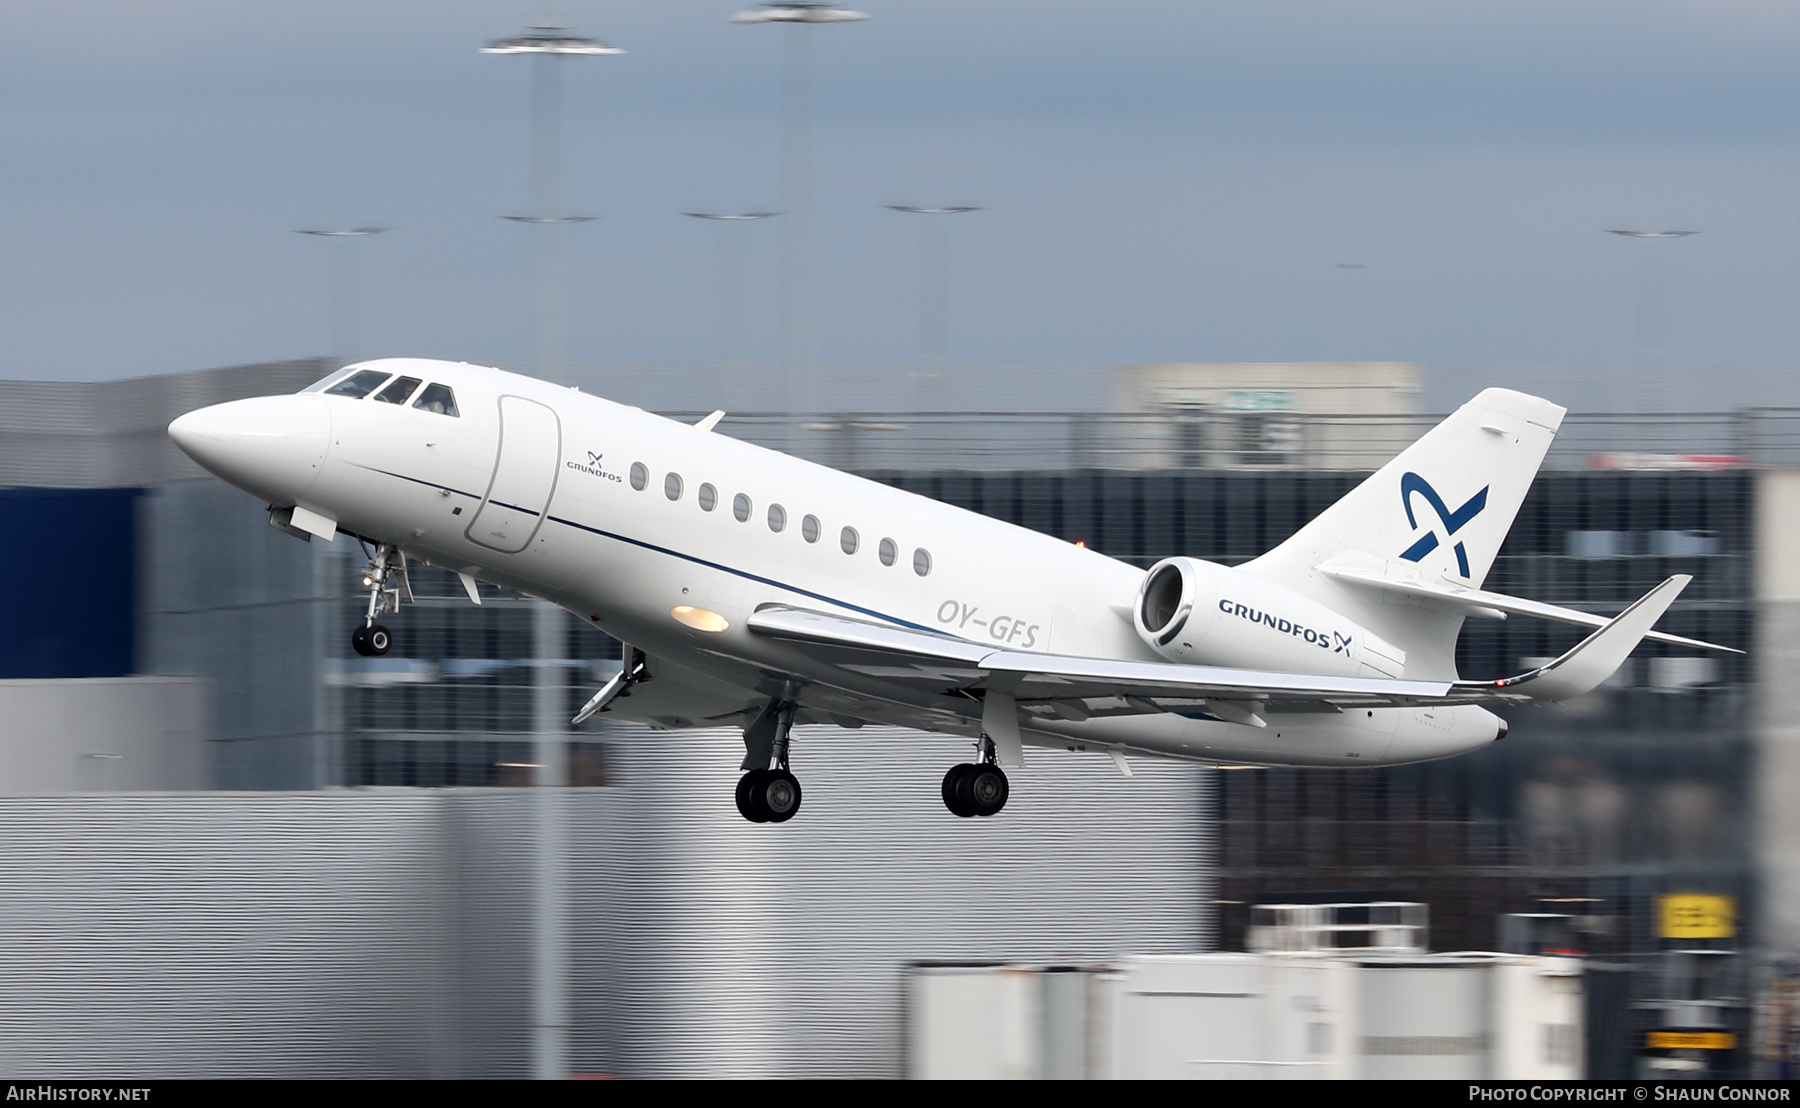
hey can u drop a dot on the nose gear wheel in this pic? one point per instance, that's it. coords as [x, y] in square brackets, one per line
[371, 640]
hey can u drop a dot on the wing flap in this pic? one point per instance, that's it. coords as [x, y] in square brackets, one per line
[1053, 676]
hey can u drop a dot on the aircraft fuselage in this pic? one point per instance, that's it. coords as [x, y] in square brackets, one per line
[627, 519]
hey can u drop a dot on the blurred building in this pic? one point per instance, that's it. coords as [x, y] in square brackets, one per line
[1310, 415]
[1290, 1016]
[234, 639]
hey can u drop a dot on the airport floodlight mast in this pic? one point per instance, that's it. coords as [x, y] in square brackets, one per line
[732, 315]
[934, 281]
[1651, 279]
[549, 43]
[796, 178]
[342, 289]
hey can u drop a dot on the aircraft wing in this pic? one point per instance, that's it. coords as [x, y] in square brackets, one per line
[1078, 688]
[1073, 687]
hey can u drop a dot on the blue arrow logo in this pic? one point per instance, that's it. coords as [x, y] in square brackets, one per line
[1453, 521]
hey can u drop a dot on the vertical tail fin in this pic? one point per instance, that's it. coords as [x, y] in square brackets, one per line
[1437, 512]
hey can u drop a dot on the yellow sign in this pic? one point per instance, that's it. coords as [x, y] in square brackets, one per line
[1691, 1040]
[1691, 916]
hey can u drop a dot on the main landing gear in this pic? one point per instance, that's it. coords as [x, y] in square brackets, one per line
[976, 788]
[768, 793]
[386, 581]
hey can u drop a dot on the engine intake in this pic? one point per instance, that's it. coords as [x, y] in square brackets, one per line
[1164, 603]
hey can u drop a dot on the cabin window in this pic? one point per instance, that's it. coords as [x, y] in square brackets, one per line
[358, 385]
[437, 398]
[777, 517]
[740, 507]
[849, 540]
[709, 498]
[922, 562]
[640, 475]
[888, 552]
[672, 486]
[809, 528]
[398, 392]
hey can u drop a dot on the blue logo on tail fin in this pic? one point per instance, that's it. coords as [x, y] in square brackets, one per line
[1453, 521]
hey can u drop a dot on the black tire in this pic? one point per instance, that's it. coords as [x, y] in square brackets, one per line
[380, 640]
[744, 786]
[359, 640]
[777, 795]
[952, 790]
[983, 790]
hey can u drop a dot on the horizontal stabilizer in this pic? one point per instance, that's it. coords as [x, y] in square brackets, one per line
[1492, 605]
[1597, 657]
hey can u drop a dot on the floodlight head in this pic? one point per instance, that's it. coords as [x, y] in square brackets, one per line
[550, 37]
[799, 11]
[1648, 234]
[931, 211]
[352, 232]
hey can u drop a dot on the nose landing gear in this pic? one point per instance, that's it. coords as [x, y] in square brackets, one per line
[386, 581]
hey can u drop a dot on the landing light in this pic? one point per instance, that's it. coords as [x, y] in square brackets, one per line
[698, 618]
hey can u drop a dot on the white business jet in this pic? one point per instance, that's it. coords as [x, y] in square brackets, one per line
[758, 590]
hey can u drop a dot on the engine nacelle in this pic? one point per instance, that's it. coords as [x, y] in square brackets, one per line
[1203, 613]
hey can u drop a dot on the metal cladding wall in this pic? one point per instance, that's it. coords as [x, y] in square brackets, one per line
[387, 933]
[70, 568]
[219, 935]
[756, 950]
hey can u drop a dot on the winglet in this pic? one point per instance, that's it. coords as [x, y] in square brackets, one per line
[1593, 659]
[707, 423]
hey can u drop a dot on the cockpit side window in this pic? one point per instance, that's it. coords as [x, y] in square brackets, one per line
[358, 385]
[437, 398]
[397, 392]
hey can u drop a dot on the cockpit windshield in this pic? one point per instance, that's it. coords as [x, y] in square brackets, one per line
[358, 385]
[319, 385]
[398, 392]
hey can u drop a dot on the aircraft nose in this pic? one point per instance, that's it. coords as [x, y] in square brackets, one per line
[269, 446]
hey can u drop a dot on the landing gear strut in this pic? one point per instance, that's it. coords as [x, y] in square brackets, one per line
[386, 581]
[976, 788]
[768, 793]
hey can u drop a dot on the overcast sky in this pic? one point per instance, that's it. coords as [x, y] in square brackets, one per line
[1161, 180]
